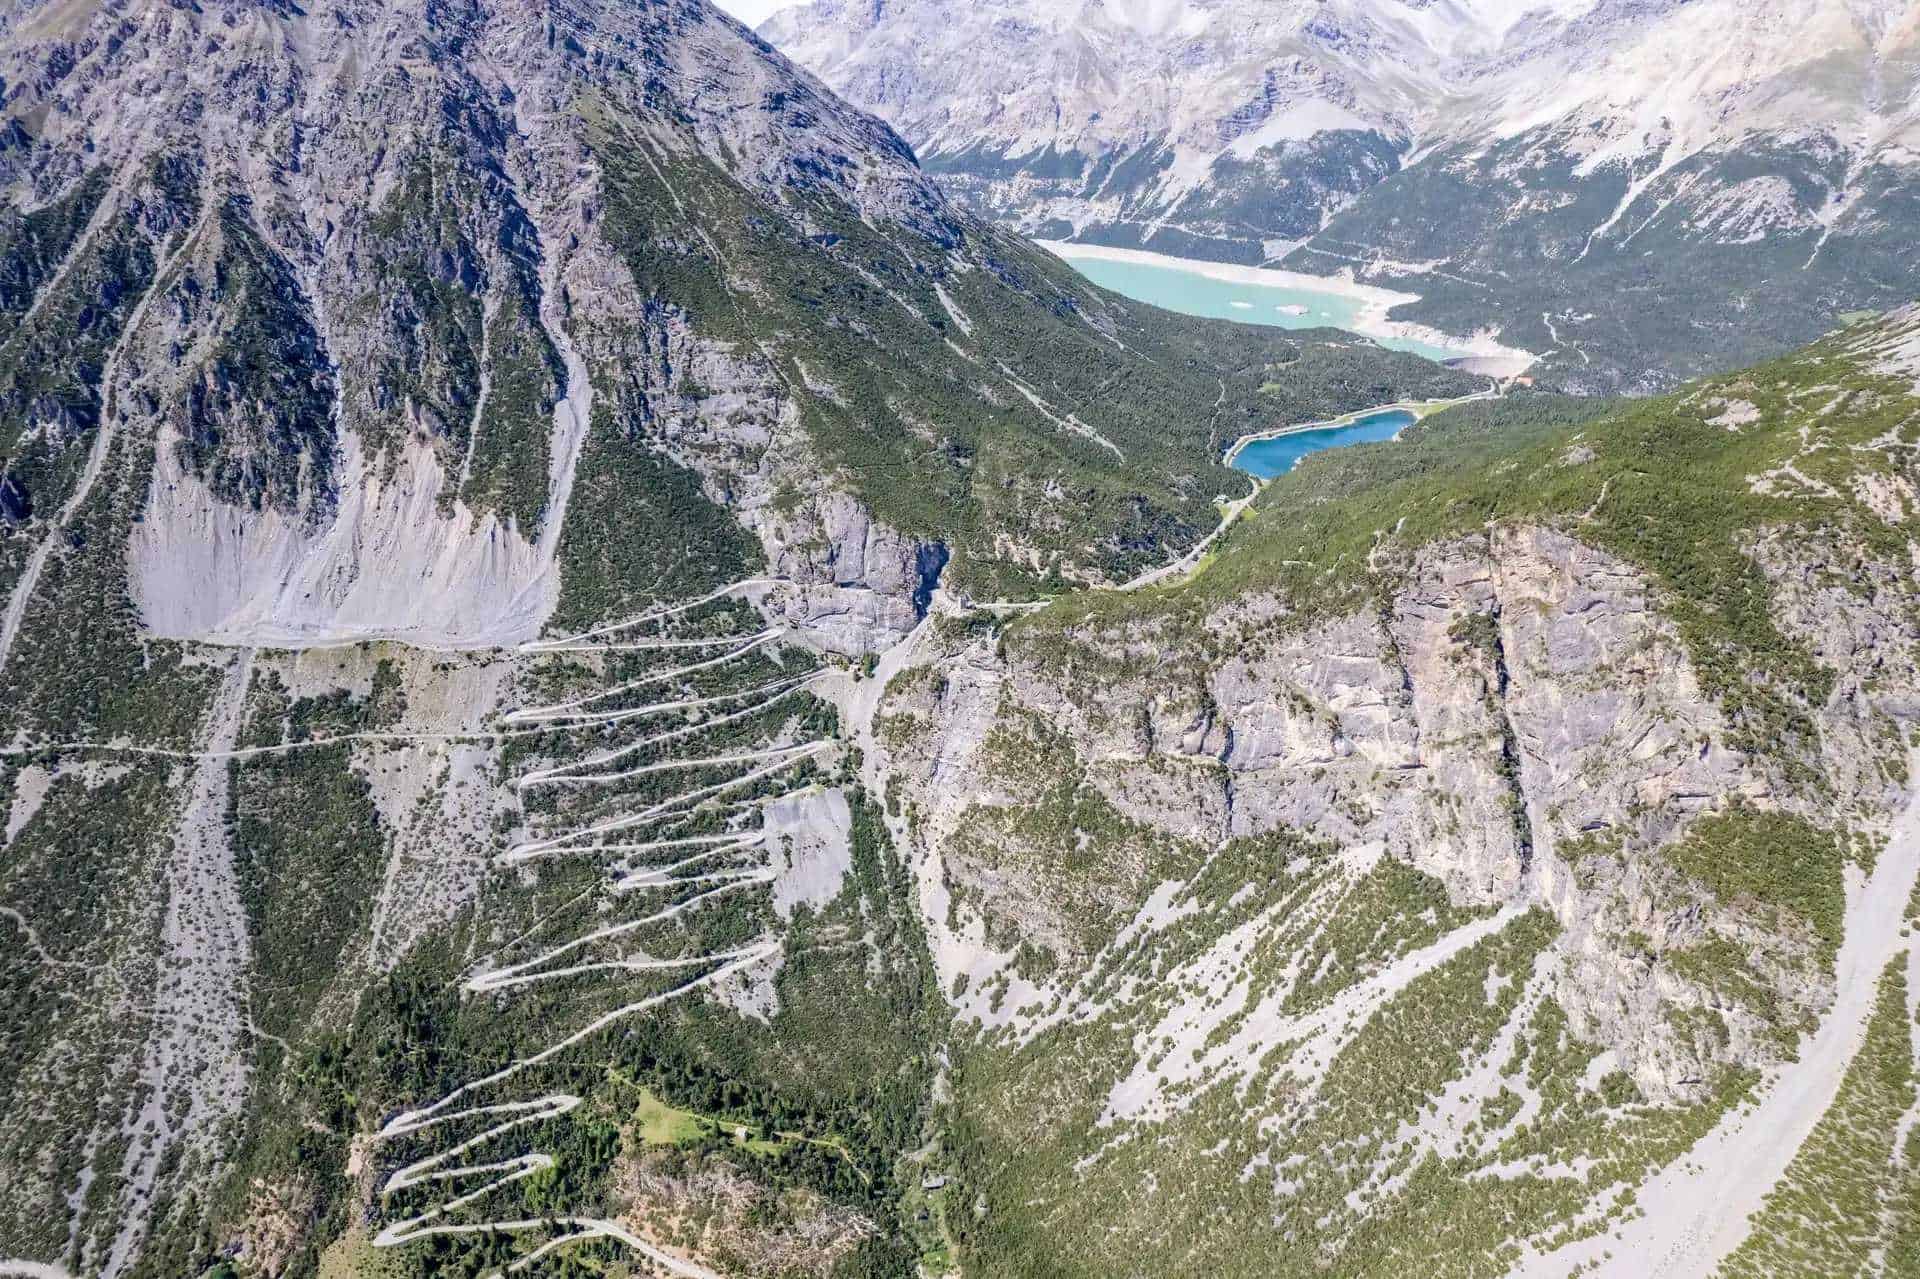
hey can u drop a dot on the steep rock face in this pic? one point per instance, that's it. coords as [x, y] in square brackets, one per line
[852, 583]
[1433, 146]
[1609, 718]
[862, 585]
[341, 523]
[1858, 619]
[385, 284]
[1180, 121]
[1522, 723]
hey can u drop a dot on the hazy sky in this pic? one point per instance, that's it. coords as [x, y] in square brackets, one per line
[753, 12]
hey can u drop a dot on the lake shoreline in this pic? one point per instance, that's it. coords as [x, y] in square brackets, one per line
[1376, 302]
[1421, 410]
[1231, 511]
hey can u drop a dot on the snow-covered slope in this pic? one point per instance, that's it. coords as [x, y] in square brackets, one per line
[1239, 130]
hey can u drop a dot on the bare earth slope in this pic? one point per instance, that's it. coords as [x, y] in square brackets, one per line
[567, 706]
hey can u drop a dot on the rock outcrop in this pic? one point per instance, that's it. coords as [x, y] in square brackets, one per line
[1520, 720]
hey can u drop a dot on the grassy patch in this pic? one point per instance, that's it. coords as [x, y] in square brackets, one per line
[1774, 862]
[659, 1124]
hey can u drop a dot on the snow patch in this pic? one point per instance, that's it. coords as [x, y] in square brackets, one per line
[1156, 17]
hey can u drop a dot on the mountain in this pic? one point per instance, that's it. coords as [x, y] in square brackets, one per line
[390, 324]
[355, 355]
[597, 679]
[1500, 860]
[1644, 190]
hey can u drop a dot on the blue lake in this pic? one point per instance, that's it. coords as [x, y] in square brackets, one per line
[1192, 293]
[1277, 456]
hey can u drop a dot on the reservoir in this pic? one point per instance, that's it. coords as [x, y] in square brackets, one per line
[1192, 292]
[1277, 455]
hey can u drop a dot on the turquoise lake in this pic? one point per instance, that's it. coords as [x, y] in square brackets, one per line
[1277, 456]
[1191, 293]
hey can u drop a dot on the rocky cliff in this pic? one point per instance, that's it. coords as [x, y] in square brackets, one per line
[1744, 173]
[566, 708]
[1501, 765]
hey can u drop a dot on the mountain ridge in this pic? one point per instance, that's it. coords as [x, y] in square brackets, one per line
[588, 686]
[487, 210]
[1440, 149]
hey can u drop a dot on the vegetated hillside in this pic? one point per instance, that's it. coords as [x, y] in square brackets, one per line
[1504, 817]
[1630, 279]
[349, 927]
[1645, 191]
[419, 277]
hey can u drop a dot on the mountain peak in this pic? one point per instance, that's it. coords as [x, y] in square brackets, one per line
[1333, 138]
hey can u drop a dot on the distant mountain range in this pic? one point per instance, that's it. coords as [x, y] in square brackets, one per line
[1644, 188]
[598, 679]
